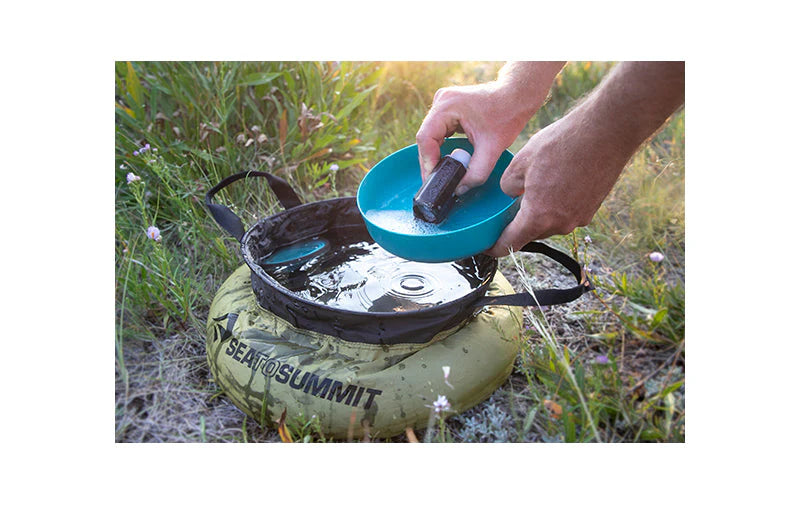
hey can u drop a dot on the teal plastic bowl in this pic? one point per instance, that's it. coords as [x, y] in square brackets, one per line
[295, 253]
[385, 199]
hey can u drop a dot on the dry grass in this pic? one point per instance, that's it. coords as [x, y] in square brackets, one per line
[171, 397]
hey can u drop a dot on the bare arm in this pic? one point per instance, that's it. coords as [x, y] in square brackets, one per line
[567, 169]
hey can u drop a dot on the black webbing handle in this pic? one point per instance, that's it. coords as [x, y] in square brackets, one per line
[228, 220]
[544, 297]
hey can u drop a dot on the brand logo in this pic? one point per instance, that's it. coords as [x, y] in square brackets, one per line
[295, 378]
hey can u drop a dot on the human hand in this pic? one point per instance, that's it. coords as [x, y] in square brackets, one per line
[563, 174]
[491, 115]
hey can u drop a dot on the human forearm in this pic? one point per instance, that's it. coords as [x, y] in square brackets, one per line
[568, 168]
[630, 105]
[527, 83]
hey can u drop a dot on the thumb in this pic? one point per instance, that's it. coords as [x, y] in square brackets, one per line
[480, 166]
[512, 182]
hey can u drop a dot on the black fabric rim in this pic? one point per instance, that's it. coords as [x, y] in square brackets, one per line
[417, 326]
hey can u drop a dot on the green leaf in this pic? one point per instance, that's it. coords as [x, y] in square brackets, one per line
[201, 154]
[375, 76]
[347, 163]
[282, 131]
[672, 387]
[526, 426]
[355, 102]
[289, 82]
[570, 433]
[651, 434]
[641, 308]
[659, 316]
[134, 86]
[127, 110]
[258, 78]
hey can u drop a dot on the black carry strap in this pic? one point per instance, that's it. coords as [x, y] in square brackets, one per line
[228, 220]
[544, 297]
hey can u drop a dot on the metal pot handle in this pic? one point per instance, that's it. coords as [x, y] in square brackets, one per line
[544, 297]
[228, 220]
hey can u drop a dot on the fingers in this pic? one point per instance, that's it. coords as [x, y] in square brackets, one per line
[455, 110]
[480, 165]
[428, 142]
[437, 125]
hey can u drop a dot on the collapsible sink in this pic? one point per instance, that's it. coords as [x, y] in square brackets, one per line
[265, 365]
[385, 200]
[272, 350]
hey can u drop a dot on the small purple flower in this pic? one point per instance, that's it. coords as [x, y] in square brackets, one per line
[146, 147]
[131, 177]
[136, 153]
[656, 257]
[334, 167]
[122, 167]
[154, 233]
[601, 359]
[587, 239]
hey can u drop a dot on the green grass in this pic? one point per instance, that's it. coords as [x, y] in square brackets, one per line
[204, 121]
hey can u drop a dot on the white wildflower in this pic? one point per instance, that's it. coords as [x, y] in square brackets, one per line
[446, 370]
[441, 404]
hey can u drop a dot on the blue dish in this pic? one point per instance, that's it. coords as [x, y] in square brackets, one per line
[295, 253]
[385, 199]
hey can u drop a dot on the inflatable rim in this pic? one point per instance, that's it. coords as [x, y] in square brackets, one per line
[265, 365]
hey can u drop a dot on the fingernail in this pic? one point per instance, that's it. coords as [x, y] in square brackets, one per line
[461, 190]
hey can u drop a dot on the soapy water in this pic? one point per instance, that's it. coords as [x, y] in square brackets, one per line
[401, 221]
[364, 277]
[396, 215]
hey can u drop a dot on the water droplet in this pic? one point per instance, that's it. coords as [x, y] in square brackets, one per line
[412, 283]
